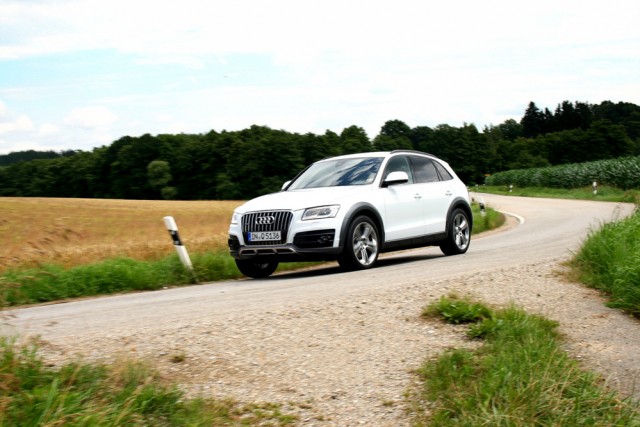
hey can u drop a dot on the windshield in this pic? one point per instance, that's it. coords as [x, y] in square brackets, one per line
[339, 172]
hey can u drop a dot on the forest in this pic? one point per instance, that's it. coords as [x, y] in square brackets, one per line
[237, 165]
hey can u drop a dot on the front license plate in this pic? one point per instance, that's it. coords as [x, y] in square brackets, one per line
[264, 236]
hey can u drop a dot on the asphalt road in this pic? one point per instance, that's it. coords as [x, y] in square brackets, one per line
[543, 229]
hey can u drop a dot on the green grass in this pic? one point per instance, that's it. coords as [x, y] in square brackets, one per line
[53, 283]
[490, 220]
[609, 260]
[128, 393]
[519, 376]
[604, 194]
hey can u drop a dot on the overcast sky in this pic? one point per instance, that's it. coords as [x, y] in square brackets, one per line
[81, 74]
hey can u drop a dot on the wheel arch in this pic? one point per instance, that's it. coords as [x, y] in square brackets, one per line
[362, 209]
[459, 203]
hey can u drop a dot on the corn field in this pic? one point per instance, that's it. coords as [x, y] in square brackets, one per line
[622, 173]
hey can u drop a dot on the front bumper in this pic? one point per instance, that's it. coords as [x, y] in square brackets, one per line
[306, 246]
[302, 240]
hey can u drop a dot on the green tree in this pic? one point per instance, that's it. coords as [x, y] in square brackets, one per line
[159, 176]
[159, 173]
[420, 137]
[608, 140]
[533, 122]
[27, 156]
[569, 116]
[394, 135]
[354, 139]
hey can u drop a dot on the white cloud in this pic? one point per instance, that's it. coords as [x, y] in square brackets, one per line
[19, 124]
[337, 63]
[293, 28]
[48, 129]
[90, 117]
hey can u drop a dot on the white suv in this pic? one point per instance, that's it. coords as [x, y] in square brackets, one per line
[350, 209]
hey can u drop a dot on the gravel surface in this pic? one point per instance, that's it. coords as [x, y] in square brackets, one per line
[344, 358]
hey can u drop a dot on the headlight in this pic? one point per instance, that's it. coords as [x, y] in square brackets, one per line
[235, 218]
[321, 212]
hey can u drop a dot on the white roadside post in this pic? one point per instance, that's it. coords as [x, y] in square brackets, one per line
[170, 223]
[595, 188]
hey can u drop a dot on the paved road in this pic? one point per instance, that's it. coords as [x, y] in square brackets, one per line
[546, 229]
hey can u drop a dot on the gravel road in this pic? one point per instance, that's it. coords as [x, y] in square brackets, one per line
[339, 349]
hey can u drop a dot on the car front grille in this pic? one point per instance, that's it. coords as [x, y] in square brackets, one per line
[266, 221]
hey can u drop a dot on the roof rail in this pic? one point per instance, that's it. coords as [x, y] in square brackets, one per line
[412, 151]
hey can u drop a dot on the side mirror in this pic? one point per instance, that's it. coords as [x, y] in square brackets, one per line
[285, 185]
[395, 178]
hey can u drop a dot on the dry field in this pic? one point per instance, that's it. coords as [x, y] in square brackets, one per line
[79, 231]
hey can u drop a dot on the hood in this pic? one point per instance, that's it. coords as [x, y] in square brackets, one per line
[302, 199]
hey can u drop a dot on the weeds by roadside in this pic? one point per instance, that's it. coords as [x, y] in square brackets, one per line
[126, 393]
[520, 376]
[609, 260]
[490, 220]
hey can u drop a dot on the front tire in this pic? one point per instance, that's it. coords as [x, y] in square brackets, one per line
[362, 245]
[256, 268]
[459, 235]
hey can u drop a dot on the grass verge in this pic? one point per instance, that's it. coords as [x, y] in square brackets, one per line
[609, 260]
[604, 194]
[54, 283]
[519, 376]
[486, 221]
[128, 393]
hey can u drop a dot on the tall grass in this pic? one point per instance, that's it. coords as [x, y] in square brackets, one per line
[520, 376]
[609, 260]
[126, 393]
[621, 173]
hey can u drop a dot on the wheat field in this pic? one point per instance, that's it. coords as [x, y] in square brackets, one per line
[69, 232]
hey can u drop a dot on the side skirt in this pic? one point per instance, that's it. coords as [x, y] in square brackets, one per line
[414, 242]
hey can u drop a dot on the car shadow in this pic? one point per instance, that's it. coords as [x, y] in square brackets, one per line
[331, 268]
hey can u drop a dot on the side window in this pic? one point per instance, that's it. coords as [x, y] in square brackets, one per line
[424, 170]
[444, 174]
[398, 164]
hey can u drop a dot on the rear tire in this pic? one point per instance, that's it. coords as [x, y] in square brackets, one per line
[256, 268]
[362, 245]
[459, 235]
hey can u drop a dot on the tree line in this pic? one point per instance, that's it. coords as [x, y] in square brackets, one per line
[254, 161]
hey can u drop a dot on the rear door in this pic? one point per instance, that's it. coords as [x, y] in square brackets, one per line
[436, 194]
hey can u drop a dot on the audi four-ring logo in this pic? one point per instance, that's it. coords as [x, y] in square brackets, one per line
[265, 220]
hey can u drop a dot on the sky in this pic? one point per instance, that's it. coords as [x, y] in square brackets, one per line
[79, 74]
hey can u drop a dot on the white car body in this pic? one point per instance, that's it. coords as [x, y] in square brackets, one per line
[401, 212]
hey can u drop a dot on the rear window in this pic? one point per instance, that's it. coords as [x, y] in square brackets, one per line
[424, 170]
[444, 173]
